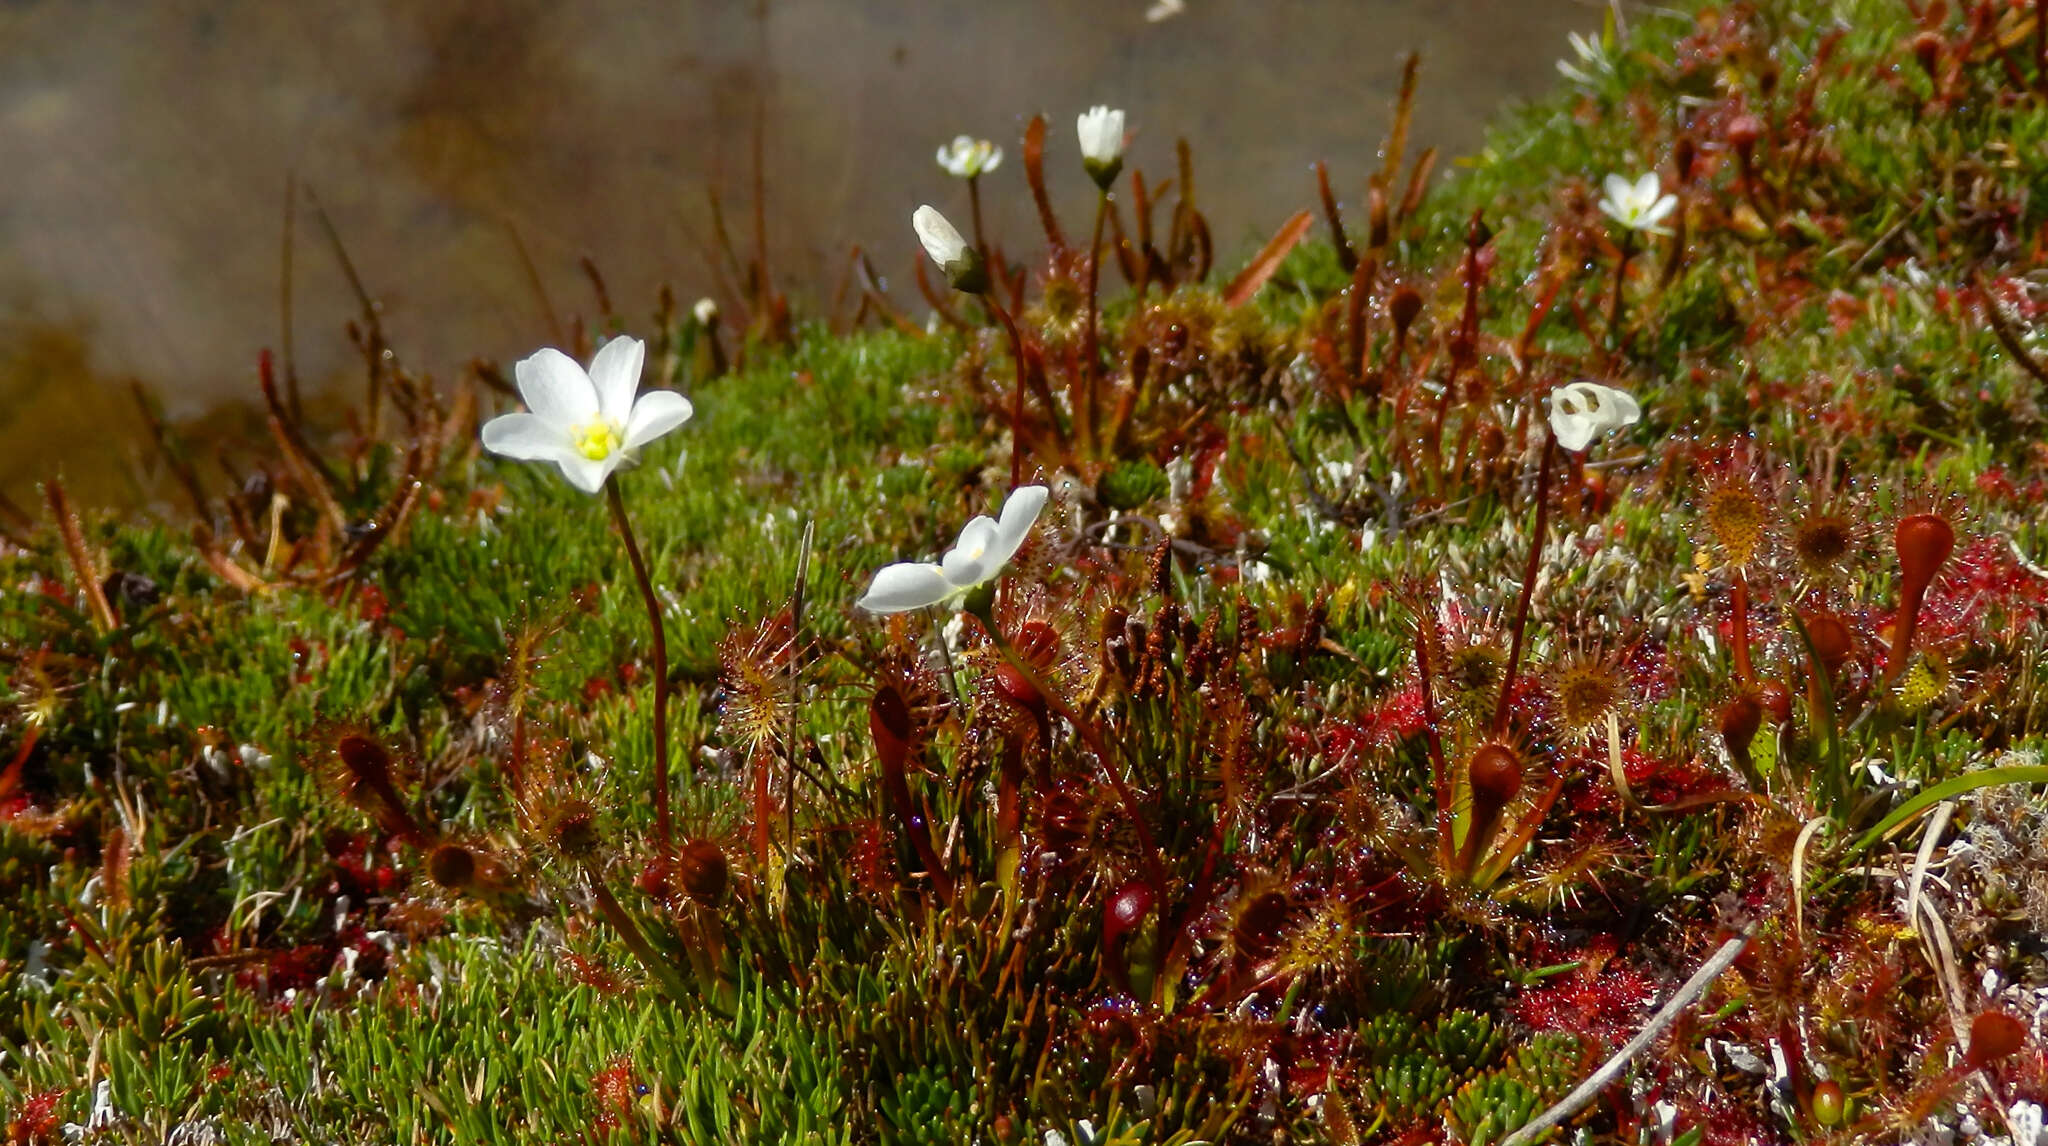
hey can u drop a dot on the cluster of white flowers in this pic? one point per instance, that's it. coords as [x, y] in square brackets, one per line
[591, 422]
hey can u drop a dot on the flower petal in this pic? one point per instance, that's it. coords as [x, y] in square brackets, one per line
[968, 563]
[528, 437]
[656, 413]
[903, 587]
[941, 239]
[1572, 422]
[1020, 513]
[615, 372]
[1647, 189]
[1659, 209]
[1618, 192]
[556, 388]
[588, 475]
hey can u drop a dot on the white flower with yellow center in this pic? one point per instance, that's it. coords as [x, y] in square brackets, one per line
[1639, 206]
[967, 157]
[590, 423]
[1582, 411]
[985, 546]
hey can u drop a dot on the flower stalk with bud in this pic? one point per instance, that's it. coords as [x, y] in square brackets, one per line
[1101, 132]
[967, 270]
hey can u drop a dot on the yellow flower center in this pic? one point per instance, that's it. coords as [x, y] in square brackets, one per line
[598, 440]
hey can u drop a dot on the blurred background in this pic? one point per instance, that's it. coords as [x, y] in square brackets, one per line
[141, 215]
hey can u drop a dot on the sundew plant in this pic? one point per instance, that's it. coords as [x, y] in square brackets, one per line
[1549, 648]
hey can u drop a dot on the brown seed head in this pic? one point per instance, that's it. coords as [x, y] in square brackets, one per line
[1924, 542]
[1403, 308]
[453, 866]
[1496, 773]
[1994, 1037]
[701, 871]
[1741, 717]
[1831, 638]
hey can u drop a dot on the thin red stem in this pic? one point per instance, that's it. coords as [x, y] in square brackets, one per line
[1084, 412]
[1739, 603]
[660, 650]
[1628, 250]
[1017, 397]
[1529, 568]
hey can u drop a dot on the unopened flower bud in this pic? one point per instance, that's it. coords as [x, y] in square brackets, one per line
[954, 254]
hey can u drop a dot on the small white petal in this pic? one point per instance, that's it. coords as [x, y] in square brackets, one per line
[1647, 189]
[1660, 209]
[941, 239]
[588, 475]
[971, 560]
[1619, 192]
[904, 587]
[556, 388]
[528, 437]
[615, 373]
[1101, 133]
[656, 413]
[1020, 513]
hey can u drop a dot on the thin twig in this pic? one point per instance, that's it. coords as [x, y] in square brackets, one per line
[1610, 1070]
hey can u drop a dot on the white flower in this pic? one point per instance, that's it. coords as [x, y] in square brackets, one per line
[955, 256]
[1165, 10]
[985, 546]
[1641, 205]
[1582, 411]
[706, 311]
[1102, 143]
[967, 157]
[589, 424]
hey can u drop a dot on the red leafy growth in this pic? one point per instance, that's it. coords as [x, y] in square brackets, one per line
[593, 974]
[615, 1088]
[1667, 780]
[1602, 999]
[35, 1121]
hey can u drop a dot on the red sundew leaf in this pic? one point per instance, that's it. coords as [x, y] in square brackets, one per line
[1263, 264]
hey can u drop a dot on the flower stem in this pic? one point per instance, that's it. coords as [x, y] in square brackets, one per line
[1507, 683]
[1052, 413]
[980, 235]
[653, 603]
[1628, 250]
[1084, 410]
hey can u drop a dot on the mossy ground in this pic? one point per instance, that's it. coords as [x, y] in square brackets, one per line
[1274, 932]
